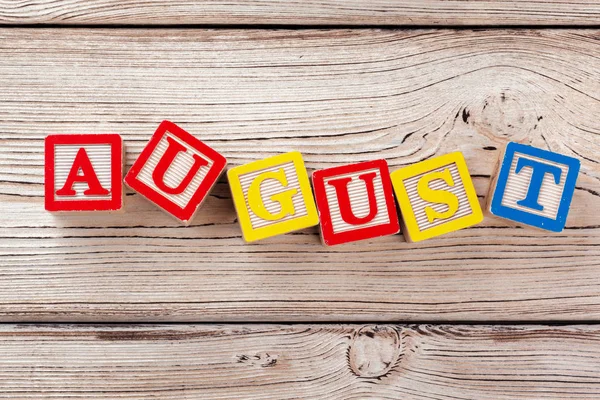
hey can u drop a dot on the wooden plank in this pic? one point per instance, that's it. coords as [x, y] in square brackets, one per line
[323, 12]
[300, 362]
[338, 96]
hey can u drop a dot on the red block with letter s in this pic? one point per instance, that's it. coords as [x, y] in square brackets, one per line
[175, 171]
[83, 172]
[355, 202]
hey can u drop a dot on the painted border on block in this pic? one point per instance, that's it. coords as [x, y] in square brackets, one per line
[408, 215]
[554, 225]
[115, 203]
[330, 238]
[187, 213]
[279, 228]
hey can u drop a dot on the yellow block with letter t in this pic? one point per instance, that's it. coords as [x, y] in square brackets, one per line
[436, 197]
[272, 196]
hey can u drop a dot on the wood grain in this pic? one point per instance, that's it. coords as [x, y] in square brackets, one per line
[299, 362]
[300, 12]
[336, 95]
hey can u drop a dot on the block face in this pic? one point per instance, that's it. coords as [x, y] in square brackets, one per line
[83, 172]
[272, 196]
[355, 202]
[175, 171]
[436, 197]
[535, 187]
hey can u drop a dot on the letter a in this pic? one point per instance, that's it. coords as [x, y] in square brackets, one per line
[88, 175]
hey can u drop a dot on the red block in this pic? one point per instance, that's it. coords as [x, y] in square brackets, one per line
[355, 202]
[175, 171]
[83, 172]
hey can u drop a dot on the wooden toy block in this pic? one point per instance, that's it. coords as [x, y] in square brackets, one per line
[83, 172]
[534, 187]
[355, 202]
[436, 197]
[272, 196]
[175, 171]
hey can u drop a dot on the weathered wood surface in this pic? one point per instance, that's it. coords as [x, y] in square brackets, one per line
[300, 362]
[336, 95]
[300, 12]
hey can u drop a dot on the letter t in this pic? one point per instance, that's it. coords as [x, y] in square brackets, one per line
[539, 170]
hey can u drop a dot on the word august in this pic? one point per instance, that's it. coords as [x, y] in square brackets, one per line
[176, 171]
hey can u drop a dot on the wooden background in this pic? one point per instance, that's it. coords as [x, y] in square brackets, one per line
[340, 81]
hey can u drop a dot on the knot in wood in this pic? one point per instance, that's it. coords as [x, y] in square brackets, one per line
[505, 115]
[374, 350]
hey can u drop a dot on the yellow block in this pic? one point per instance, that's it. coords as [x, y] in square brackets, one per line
[272, 196]
[436, 197]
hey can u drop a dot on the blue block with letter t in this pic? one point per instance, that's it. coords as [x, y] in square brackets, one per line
[535, 187]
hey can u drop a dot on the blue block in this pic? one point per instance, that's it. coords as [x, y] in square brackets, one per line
[535, 187]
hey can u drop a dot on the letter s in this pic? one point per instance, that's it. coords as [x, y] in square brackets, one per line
[438, 196]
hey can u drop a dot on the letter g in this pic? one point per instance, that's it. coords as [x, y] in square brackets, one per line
[284, 199]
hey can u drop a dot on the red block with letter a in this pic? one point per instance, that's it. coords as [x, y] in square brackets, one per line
[175, 171]
[355, 202]
[83, 172]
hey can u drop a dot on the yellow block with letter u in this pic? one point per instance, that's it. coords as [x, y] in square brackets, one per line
[272, 196]
[436, 196]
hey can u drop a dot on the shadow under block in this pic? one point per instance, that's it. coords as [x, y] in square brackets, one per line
[272, 196]
[534, 187]
[355, 202]
[436, 196]
[83, 172]
[176, 171]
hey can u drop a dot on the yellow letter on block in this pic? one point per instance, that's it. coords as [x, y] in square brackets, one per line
[436, 196]
[272, 196]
